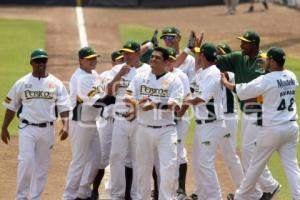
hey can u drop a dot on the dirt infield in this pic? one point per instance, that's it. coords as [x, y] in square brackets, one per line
[277, 26]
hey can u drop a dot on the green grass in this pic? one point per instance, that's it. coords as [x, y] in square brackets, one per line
[142, 33]
[17, 38]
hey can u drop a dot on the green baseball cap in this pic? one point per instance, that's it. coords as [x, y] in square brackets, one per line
[87, 52]
[209, 50]
[39, 53]
[172, 53]
[116, 55]
[250, 36]
[173, 31]
[224, 48]
[277, 54]
[131, 47]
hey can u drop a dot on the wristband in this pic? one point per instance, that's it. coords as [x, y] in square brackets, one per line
[186, 50]
[149, 45]
[197, 49]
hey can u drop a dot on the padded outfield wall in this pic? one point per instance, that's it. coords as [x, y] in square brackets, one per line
[117, 3]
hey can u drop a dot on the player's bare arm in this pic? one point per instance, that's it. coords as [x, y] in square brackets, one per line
[226, 83]
[193, 101]
[9, 116]
[112, 87]
[64, 131]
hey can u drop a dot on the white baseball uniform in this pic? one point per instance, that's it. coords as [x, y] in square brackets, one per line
[228, 143]
[157, 132]
[123, 137]
[84, 93]
[39, 100]
[280, 130]
[208, 133]
[188, 67]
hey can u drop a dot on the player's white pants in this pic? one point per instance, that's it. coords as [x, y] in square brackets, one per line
[164, 140]
[35, 146]
[105, 129]
[84, 139]
[284, 139]
[123, 141]
[206, 140]
[182, 127]
[250, 132]
[228, 149]
[91, 169]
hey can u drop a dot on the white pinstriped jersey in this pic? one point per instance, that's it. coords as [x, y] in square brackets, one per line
[188, 67]
[278, 89]
[167, 88]
[38, 98]
[124, 83]
[185, 83]
[209, 89]
[85, 90]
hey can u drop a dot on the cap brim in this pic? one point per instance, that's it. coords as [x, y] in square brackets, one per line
[92, 56]
[127, 50]
[244, 39]
[40, 56]
[119, 57]
[172, 57]
[168, 34]
[221, 50]
[263, 55]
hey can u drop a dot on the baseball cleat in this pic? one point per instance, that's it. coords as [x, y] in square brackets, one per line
[269, 195]
[230, 196]
[194, 196]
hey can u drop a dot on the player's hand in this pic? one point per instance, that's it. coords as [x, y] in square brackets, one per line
[5, 135]
[224, 79]
[154, 40]
[192, 40]
[199, 40]
[63, 133]
[124, 70]
[130, 116]
[148, 106]
[143, 100]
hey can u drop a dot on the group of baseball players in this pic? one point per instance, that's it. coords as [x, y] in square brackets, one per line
[135, 117]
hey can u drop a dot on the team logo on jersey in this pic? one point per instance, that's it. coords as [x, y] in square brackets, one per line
[95, 90]
[29, 94]
[7, 100]
[51, 86]
[124, 83]
[144, 90]
[165, 84]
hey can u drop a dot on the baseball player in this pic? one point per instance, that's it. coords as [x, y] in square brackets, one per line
[246, 67]
[87, 99]
[182, 121]
[231, 6]
[264, 2]
[124, 128]
[105, 125]
[157, 94]
[37, 97]
[209, 131]
[172, 37]
[228, 144]
[280, 130]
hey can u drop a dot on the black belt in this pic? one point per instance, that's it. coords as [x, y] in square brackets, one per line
[198, 121]
[165, 126]
[41, 125]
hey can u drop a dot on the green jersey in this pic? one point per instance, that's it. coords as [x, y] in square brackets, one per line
[245, 69]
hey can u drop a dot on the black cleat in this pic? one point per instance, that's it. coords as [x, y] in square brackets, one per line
[230, 196]
[95, 195]
[265, 5]
[194, 196]
[251, 9]
[269, 195]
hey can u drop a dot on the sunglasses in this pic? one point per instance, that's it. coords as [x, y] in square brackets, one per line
[169, 37]
[40, 60]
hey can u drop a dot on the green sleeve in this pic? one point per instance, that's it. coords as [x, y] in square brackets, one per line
[227, 62]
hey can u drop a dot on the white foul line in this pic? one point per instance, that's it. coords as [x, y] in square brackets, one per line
[81, 27]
